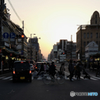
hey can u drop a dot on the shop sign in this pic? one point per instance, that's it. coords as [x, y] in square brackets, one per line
[6, 36]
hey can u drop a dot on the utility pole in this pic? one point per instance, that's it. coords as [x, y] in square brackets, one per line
[1, 15]
[71, 47]
[22, 38]
[81, 43]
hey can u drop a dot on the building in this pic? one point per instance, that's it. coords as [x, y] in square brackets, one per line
[91, 49]
[71, 50]
[63, 50]
[12, 45]
[87, 34]
[31, 52]
[34, 42]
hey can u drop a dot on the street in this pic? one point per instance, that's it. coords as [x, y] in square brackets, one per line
[37, 90]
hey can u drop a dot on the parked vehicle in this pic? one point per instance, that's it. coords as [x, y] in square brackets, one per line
[22, 71]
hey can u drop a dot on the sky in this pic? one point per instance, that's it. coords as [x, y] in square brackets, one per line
[52, 20]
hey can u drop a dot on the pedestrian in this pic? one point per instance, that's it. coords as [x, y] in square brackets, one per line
[71, 69]
[52, 69]
[45, 66]
[79, 67]
[98, 69]
[62, 69]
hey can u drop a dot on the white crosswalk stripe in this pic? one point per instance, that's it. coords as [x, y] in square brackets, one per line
[10, 77]
[40, 78]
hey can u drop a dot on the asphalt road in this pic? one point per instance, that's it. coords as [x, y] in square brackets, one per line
[37, 90]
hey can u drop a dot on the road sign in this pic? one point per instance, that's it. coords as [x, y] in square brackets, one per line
[5, 35]
[62, 58]
[12, 35]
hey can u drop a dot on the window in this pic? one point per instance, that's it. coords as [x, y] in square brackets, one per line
[87, 35]
[84, 44]
[84, 35]
[96, 21]
[96, 35]
[91, 35]
[87, 42]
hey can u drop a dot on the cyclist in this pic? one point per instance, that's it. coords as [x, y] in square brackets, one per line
[52, 69]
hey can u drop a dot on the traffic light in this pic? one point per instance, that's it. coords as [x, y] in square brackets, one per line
[22, 36]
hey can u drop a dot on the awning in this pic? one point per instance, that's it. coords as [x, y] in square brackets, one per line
[8, 50]
[17, 53]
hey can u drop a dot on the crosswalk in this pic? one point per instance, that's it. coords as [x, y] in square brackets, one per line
[94, 78]
[6, 78]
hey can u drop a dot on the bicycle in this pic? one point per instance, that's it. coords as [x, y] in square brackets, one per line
[47, 79]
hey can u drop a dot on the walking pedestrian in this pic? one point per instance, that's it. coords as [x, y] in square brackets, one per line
[71, 70]
[52, 69]
[62, 69]
[79, 68]
[98, 69]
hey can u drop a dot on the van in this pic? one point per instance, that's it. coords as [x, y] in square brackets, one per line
[22, 71]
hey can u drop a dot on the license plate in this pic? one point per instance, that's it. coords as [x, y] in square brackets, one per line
[22, 78]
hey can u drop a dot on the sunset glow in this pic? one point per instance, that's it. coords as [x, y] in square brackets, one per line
[52, 20]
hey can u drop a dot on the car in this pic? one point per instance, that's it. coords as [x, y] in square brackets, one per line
[31, 62]
[22, 71]
[38, 65]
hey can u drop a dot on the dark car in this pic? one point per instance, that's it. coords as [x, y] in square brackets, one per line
[22, 71]
[38, 66]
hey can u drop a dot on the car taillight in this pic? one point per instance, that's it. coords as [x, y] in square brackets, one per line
[13, 71]
[30, 72]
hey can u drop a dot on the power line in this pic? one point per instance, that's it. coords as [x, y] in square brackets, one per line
[14, 10]
[17, 14]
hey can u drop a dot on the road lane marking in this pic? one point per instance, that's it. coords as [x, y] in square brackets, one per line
[93, 78]
[7, 78]
[96, 77]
